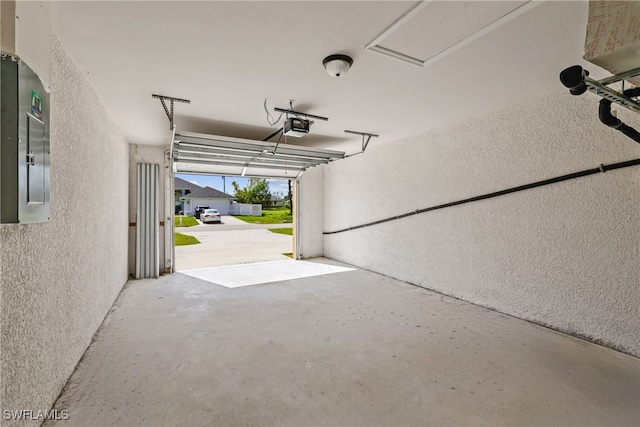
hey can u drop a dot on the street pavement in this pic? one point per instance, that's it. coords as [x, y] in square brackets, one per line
[232, 242]
[231, 223]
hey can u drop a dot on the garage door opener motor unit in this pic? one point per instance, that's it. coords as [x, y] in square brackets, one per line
[294, 126]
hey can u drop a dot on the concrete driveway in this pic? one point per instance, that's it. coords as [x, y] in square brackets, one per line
[232, 242]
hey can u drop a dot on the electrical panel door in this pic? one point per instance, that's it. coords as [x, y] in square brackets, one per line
[24, 144]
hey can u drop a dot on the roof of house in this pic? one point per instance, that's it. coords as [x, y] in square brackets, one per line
[207, 193]
[181, 184]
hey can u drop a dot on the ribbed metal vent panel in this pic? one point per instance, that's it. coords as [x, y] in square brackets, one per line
[147, 225]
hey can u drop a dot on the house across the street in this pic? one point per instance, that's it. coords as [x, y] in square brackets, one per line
[182, 188]
[207, 196]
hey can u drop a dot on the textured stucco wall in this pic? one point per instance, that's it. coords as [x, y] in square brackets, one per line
[565, 255]
[59, 278]
[311, 213]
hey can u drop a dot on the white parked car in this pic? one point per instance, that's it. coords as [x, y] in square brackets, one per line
[210, 215]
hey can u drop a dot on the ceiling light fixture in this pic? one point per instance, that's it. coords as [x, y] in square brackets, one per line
[337, 65]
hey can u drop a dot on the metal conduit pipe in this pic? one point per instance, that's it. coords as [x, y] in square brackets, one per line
[612, 121]
[574, 175]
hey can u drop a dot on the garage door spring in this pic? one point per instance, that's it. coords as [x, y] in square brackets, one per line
[587, 172]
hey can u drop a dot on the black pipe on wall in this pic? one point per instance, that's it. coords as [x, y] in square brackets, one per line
[604, 112]
[587, 172]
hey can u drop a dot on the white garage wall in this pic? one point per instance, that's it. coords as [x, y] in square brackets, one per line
[311, 213]
[564, 255]
[60, 278]
[31, 41]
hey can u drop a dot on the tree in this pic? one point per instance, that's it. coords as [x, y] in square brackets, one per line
[256, 191]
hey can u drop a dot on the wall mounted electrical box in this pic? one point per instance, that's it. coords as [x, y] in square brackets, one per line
[24, 144]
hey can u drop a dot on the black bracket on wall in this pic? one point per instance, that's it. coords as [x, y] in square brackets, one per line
[169, 110]
[578, 81]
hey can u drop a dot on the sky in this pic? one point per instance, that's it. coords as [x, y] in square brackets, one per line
[213, 181]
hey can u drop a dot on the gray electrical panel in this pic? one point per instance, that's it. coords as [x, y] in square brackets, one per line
[24, 144]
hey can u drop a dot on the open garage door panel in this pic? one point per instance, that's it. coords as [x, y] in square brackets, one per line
[220, 155]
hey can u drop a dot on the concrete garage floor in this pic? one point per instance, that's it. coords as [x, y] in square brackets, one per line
[350, 348]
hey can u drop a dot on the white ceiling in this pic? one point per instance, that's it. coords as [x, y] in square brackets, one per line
[228, 57]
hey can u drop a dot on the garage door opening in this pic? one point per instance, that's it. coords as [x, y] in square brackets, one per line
[214, 226]
[252, 232]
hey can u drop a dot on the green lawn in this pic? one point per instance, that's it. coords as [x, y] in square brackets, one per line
[269, 216]
[185, 221]
[183, 239]
[288, 231]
